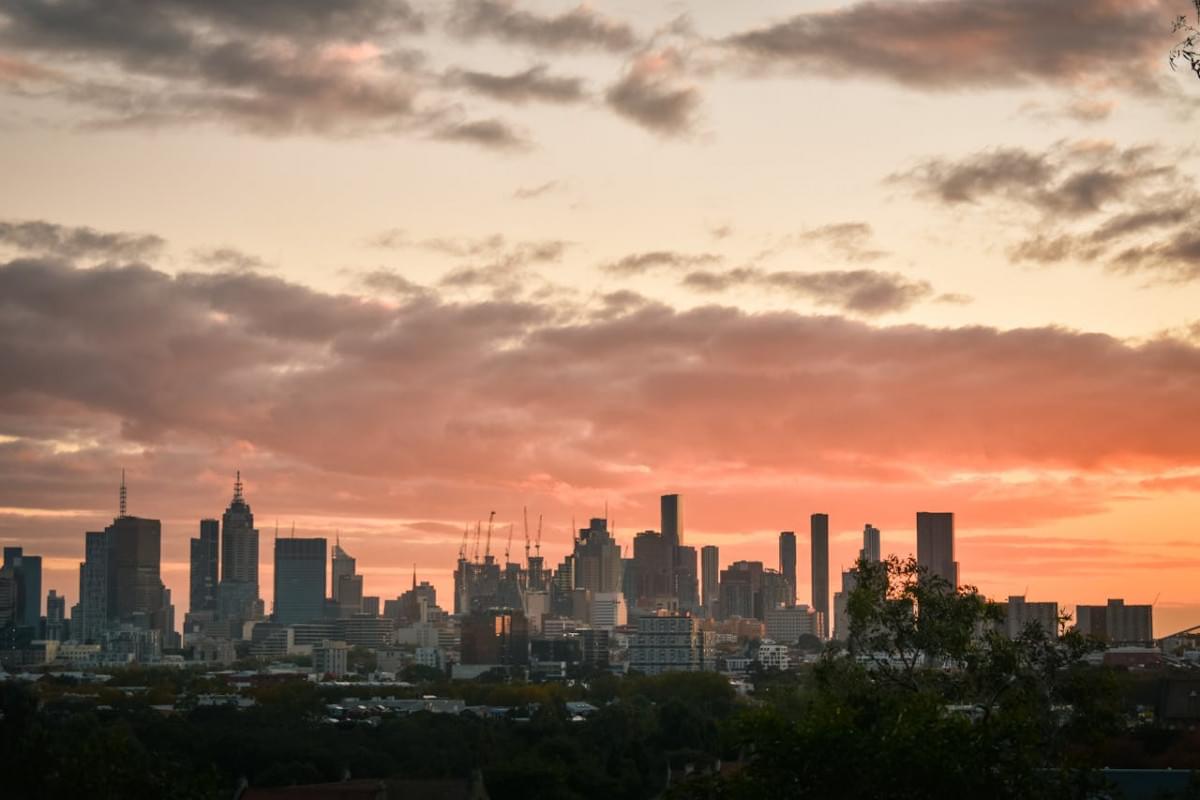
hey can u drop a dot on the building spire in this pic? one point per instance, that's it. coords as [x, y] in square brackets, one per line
[414, 574]
[237, 488]
[124, 496]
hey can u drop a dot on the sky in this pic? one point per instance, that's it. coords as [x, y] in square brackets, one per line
[403, 264]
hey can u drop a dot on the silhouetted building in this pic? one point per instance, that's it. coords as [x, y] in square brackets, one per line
[597, 559]
[237, 593]
[741, 590]
[819, 527]
[710, 571]
[299, 580]
[653, 571]
[787, 562]
[136, 595]
[93, 589]
[55, 629]
[495, 636]
[671, 517]
[788, 624]
[1018, 614]
[1117, 623]
[687, 579]
[26, 571]
[872, 549]
[935, 544]
[204, 566]
[667, 642]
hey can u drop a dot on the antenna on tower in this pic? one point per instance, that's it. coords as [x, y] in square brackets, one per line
[237, 487]
[124, 495]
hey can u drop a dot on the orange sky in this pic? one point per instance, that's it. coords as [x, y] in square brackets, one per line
[407, 263]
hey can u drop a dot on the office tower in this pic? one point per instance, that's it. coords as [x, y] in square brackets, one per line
[872, 549]
[56, 617]
[1018, 613]
[741, 590]
[597, 559]
[238, 590]
[134, 561]
[8, 596]
[343, 566]
[346, 585]
[495, 636]
[671, 519]
[26, 573]
[93, 589]
[299, 580]
[787, 625]
[819, 528]
[935, 544]
[204, 565]
[774, 592]
[710, 571]
[787, 562]
[653, 563]
[687, 579]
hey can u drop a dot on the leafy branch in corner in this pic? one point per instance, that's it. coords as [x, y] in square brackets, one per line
[1187, 49]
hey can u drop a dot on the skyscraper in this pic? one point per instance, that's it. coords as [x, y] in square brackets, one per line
[205, 561]
[56, 617]
[787, 562]
[671, 518]
[871, 550]
[134, 563]
[93, 589]
[597, 559]
[347, 585]
[299, 580]
[710, 570]
[26, 574]
[687, 579]
[935, 544]
[819, 527]
[238, 590]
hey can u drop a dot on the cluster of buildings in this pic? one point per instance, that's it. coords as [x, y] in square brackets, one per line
[665, 606]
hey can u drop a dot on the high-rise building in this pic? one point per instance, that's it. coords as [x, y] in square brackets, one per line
[299, 580]
[237, 593]
[495, 636]
[597, 559]
[136, 595]
[1117, 623]
[819, 527]
[204, 562]
[687, 579]
[654, 573]
[93, 590]
[26, 573]
[741, 590]
[343, 565]
[56, 617]
[710, 571]
[872, 549]
[1018, 613]
[671, 518]
[787, 562]
[935, 545]
[667, 642]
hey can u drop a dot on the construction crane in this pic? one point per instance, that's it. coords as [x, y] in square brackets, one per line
[525, 524]
[508, 546]
[539, 536]
[487, 550]
[475, 557]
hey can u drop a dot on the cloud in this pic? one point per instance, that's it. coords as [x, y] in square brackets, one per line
[956, 44]
[533, 84]
[390, 282]
[579, 27]
[47, 238]
[850, 240]
[229, 258]
[861, 291]
[530, 192]
[494, 134]
[1132, 209]
[651, 95]
[640, 263]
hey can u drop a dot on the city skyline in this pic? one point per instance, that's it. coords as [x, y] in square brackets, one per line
[305, 548]
[411, 262]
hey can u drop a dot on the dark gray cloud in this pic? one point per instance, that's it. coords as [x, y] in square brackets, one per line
[948, 44]
[640, 263]
[861, 291]
[578, 27]
[391, 282]
[850, 240]
[35, 236]
[1131, 210]
[650, 95]
[229, 258]
[494, 134]
[533, 84]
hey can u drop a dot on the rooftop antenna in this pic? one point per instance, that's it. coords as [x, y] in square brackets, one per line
[237, 488]
[414, 575]
[124, 495]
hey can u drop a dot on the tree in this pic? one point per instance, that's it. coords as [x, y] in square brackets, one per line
[1187, 49]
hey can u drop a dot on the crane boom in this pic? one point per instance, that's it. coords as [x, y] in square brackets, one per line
[539, 536]
[462, 548]
[487, 550]
[508, 546]
[525, 524]
[475, 557]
